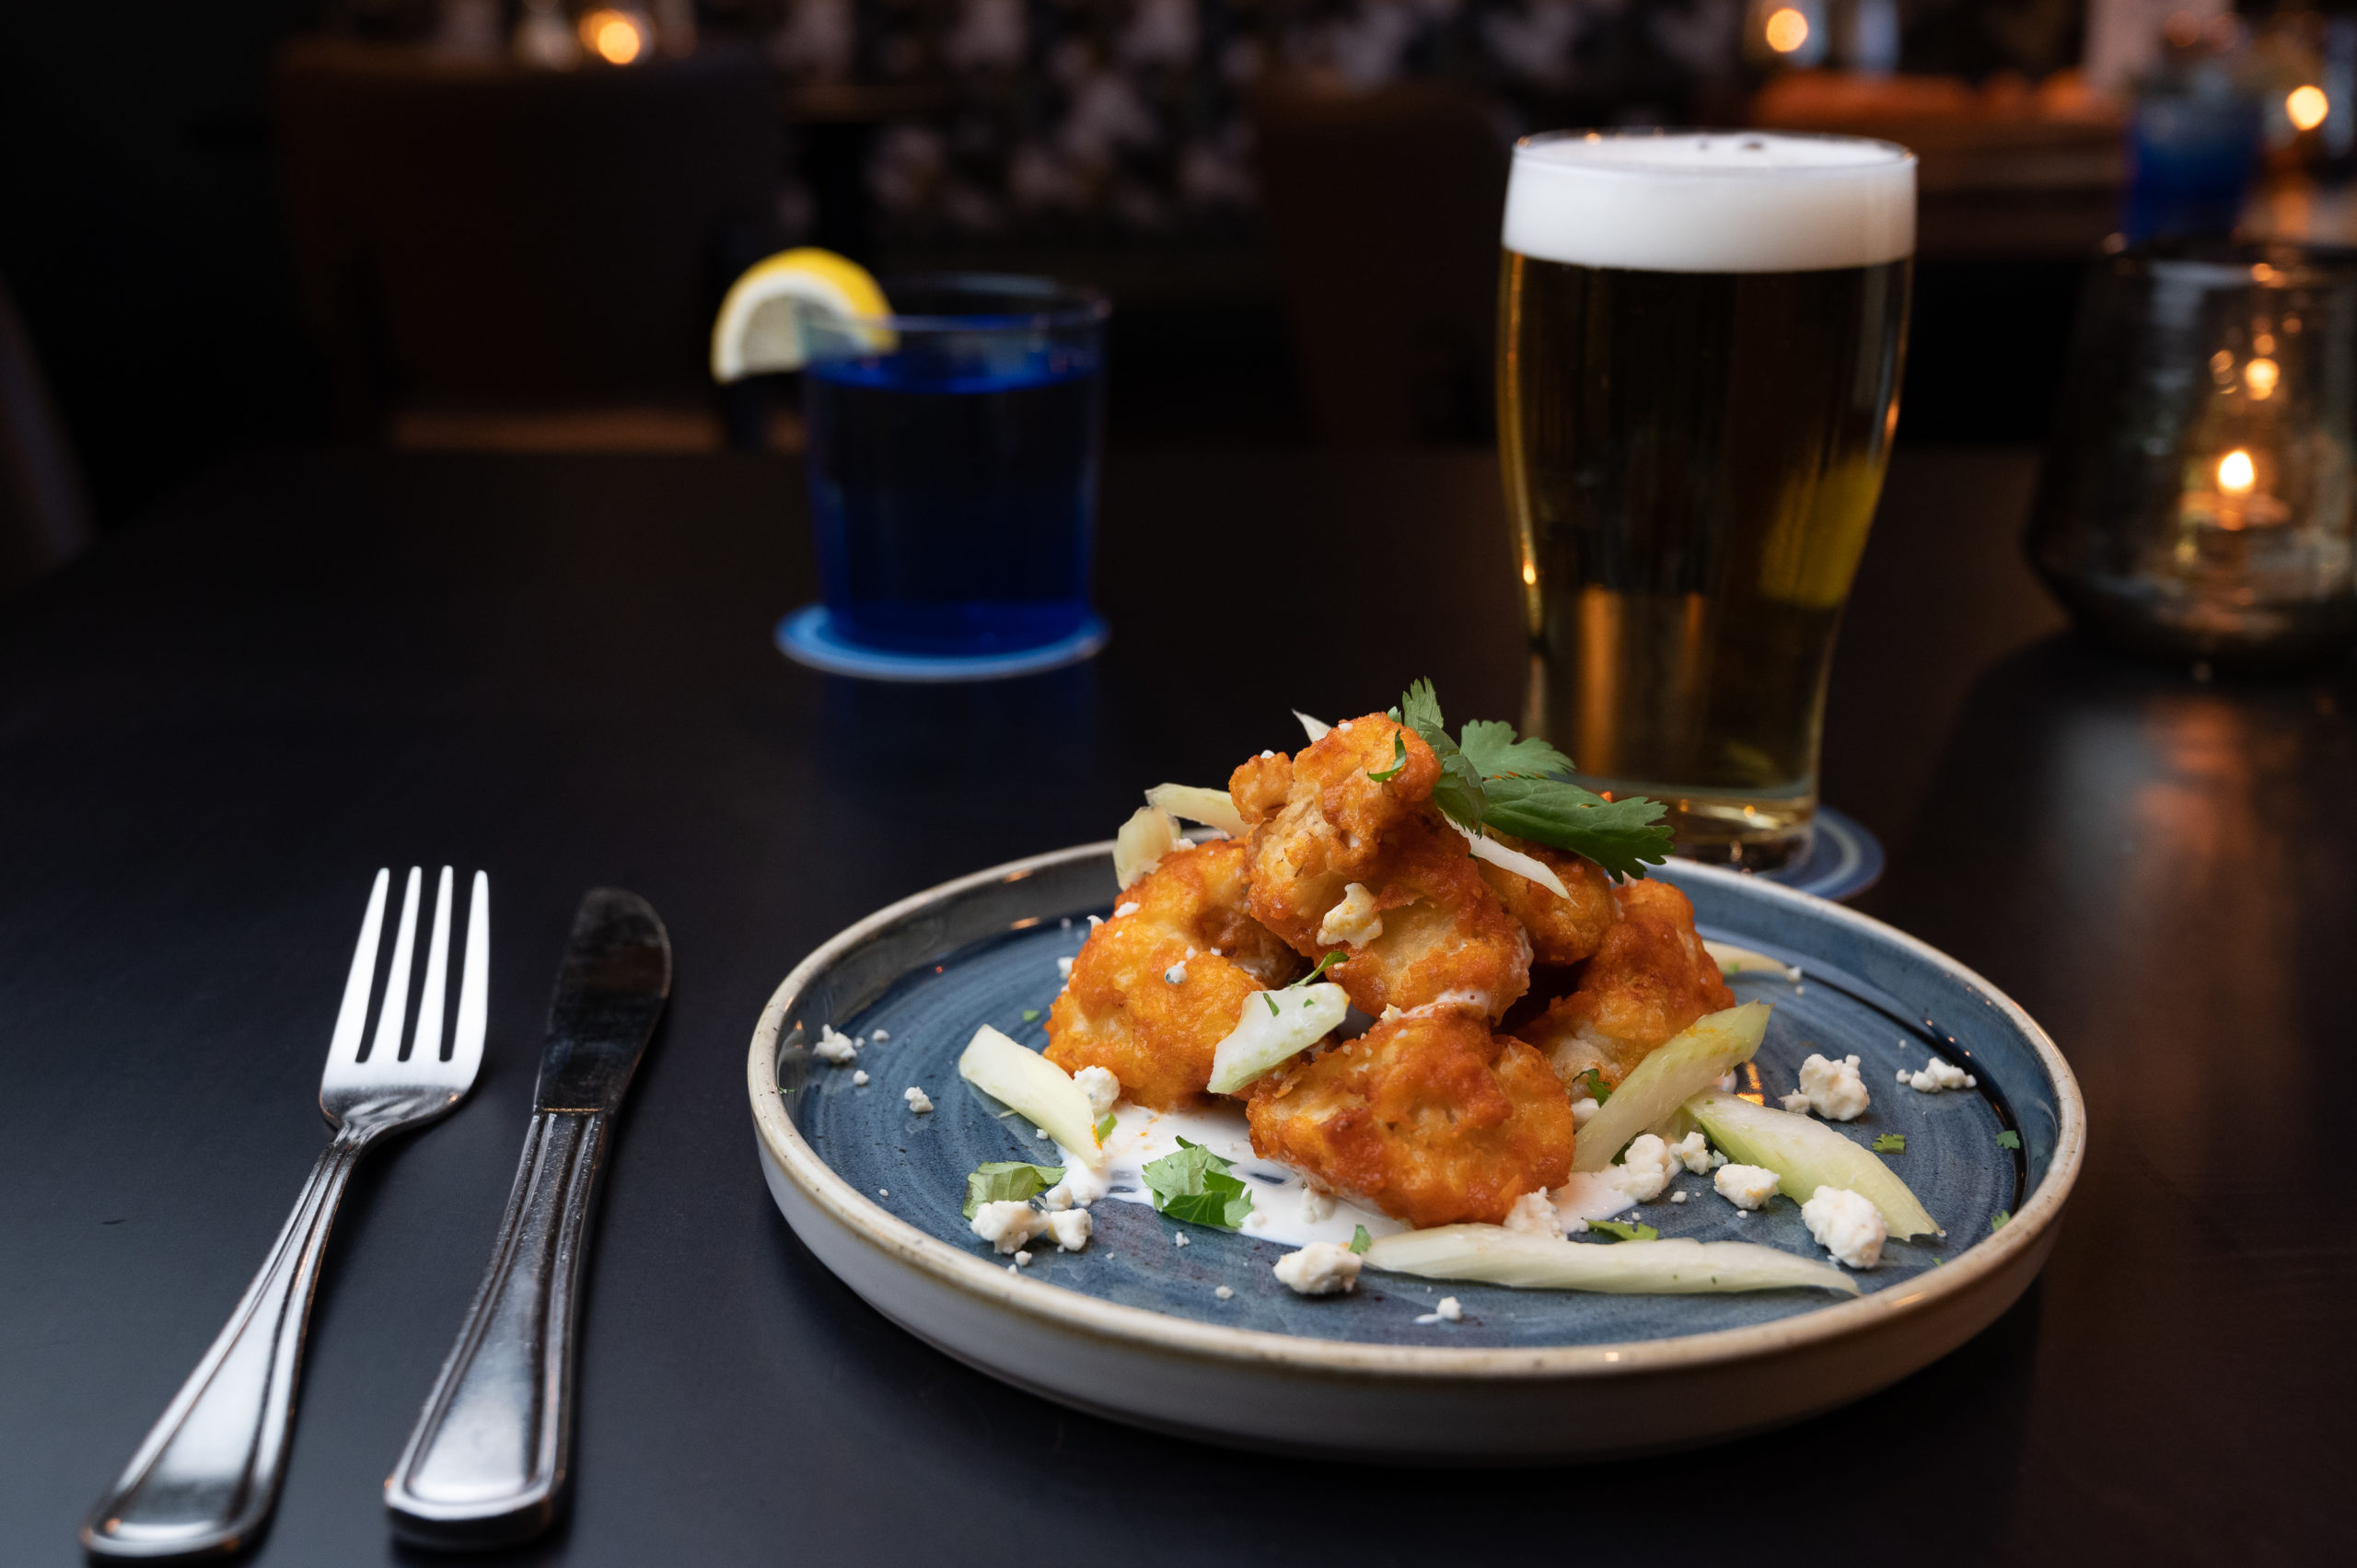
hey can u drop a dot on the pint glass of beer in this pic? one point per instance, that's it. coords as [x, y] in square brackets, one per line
[1699, 338]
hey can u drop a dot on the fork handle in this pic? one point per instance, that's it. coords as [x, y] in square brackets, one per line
[488, 1461]
[208, 1473]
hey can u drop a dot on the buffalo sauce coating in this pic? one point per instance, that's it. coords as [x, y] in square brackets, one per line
[1562, 930]
[1649, 980]
[1428, 1116]
[1125, 1012]
[1323, 821]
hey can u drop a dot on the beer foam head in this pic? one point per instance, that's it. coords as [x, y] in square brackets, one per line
[1720, 202]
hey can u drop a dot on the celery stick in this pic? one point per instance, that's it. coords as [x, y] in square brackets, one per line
[1275, 1027]
[1669, 1075]
[1734, 961]
[1495, 1255]
[1029, 1083]
[1807, 1154]
[1144, 840]
[1211, 808]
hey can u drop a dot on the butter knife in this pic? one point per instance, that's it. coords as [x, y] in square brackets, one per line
[490, 1455]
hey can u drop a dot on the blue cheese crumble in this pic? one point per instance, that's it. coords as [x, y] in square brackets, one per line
[1322, 1268]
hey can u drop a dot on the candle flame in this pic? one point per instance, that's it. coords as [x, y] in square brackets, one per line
[2236, 473]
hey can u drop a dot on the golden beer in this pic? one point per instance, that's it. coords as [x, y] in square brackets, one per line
[1699, 342]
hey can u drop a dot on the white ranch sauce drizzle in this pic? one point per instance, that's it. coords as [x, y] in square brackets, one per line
[1280, 1196]
[1590, 1195]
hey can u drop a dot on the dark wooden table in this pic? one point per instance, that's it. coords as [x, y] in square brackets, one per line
[214, 731]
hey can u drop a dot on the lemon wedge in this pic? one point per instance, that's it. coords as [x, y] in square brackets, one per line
[759, 326]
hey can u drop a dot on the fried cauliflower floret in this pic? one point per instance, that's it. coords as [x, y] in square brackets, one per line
[1122, 1010]
[1649, 980]
[1428, 1116]
[1443, 936]
[1222, 918]
[1347, 861]
[1563, 931]
[1328, 828]
[1261, 786]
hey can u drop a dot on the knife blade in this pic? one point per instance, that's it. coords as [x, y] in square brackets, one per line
[490, 1459]
[617, 975]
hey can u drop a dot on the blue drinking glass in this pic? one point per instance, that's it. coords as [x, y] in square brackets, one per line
[953, 455]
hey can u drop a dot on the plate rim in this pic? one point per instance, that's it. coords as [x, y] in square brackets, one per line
[1145, 1330]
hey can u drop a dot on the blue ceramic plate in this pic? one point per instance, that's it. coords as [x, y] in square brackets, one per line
[1133, 1326]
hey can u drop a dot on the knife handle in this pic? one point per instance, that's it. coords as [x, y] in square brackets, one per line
[488, 1461]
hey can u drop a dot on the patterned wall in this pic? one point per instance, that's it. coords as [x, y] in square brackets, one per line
[1108, 117]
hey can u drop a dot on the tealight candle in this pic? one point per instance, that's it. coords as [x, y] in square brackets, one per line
[2198, 498]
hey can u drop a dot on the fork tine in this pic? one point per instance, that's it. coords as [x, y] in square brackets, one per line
[351, 1018]
[396, 978]
[426, 1042]
[474, 985]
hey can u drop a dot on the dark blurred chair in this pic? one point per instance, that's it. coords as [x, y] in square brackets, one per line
[503, 258]
[44, 518]
[1385, 208]
[2006, 172]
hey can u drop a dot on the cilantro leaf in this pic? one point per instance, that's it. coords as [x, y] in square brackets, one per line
[1891, 1143]
[1420, 709]
[1458, 792]
[1997, 1221]
[1398, 759]
[2009, 1139]
[1008, 1181]
[1219, 1207]
[1360, 1240]
[1622, 836]
[1596, 1089]
[1337, 957]
[1509, 784]
[1030, 1015]
[1489, 744]
[1194, 1184]
[1625, 1232]
[1106, 1125]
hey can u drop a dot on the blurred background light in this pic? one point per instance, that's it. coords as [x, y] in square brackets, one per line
[1787, 30]
[2306, 106]
[616, 37]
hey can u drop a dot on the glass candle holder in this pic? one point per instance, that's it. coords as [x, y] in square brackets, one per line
[2196, 498]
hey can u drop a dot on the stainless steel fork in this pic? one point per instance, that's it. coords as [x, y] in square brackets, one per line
[207, 1476]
